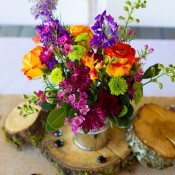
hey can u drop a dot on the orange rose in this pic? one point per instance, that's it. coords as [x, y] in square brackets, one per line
[124, 58]
[76, 30]
[120, 50]
[32, 64]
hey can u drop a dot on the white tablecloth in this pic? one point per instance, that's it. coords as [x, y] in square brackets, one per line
[14, 82]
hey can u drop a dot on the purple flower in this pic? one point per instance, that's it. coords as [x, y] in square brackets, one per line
[105, 29]
[50, 31]
[51, 63]
[43, 9]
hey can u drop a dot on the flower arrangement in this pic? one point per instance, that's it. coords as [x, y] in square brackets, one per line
[91, 74]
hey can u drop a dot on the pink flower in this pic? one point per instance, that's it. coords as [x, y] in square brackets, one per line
[67, 48]
[63, 40]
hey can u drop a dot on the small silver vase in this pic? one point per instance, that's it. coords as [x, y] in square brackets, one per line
[93, 140]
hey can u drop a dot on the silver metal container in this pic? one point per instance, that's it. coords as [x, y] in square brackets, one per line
[93, 140]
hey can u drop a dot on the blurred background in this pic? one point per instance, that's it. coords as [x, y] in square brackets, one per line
[157, 20]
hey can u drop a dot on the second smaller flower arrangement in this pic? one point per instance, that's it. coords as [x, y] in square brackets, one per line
[91, 75]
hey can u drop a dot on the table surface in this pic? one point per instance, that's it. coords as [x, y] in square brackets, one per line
[29, 161]
[14, 82]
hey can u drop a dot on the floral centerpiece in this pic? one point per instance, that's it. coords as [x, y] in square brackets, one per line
[91, 74]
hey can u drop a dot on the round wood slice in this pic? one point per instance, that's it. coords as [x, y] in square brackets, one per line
[73, 160]
[152, 136]
[20, 130]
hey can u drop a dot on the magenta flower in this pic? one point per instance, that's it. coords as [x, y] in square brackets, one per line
[84, 110]
[76, 123]
[60, 94]
[67, 48]
[72, 98]
[41, 97]
[63, 40]
[95, 119]
[45, 56]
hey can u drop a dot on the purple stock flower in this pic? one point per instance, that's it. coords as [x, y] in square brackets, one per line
[43, 9]
[105, 29]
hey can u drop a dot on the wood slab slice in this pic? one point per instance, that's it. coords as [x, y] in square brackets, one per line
[20, 130]
[73, 160]
[152, 136]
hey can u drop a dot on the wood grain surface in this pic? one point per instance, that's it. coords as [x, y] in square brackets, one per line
[31, 161]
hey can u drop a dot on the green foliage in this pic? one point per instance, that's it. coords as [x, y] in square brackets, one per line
[152, 71]
[56, 118]
[35, 139]
[47, 106]
[138, 91]
[158, 70]
[124, 118]
[129, 8]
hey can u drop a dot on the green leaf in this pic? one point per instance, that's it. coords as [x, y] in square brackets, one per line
[48, 127]
[121, 122]
[124, 111]
[152, 71]
[69, 111]
[57, 117]
[47, 106]
[138, 91]
[125, 100]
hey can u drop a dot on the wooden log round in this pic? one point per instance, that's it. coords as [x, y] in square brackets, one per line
[73, 160]
[20, 130]
[152, 136]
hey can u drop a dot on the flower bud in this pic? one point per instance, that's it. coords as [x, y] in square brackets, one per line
[160, 85]
[151, 50]
[121, 18]
[125, 8]
[136, 20]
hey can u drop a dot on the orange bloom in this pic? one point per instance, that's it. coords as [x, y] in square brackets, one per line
[124, 58]
[89, 61]
[76, 30]
[32, 64]
[37, 38]
[93, 74]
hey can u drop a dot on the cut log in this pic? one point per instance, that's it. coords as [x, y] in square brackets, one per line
[20, 130]
[152, 136]
[73, 160]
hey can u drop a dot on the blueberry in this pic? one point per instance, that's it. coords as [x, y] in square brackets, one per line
[59, 143]
[101, 159]
[58, 133]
